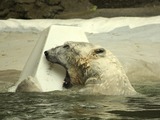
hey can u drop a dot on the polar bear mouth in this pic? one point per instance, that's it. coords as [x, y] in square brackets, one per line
[67, 81]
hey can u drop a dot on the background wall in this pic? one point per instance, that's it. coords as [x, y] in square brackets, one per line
[36, 9]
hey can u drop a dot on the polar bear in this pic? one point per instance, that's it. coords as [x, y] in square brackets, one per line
[94, 68]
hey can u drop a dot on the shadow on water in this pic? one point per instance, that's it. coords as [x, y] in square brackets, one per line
[69, 105]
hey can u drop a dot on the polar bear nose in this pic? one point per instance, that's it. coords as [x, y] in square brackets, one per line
[46, 53]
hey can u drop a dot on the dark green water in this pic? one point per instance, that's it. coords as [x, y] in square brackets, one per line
[69, 105]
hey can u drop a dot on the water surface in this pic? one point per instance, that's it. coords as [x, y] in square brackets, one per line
[69, 105]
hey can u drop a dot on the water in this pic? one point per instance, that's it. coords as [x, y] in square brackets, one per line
[70, 105]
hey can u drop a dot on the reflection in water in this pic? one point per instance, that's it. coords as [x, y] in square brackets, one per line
[69, 105]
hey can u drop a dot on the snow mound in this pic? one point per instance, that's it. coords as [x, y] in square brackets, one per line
[94, 25]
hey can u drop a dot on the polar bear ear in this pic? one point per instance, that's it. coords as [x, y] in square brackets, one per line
[100, 51]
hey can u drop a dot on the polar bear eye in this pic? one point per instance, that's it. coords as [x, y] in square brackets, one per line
[99, 50]
[66, 46]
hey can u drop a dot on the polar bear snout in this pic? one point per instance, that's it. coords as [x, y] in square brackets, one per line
[51, 56]
[46, 53]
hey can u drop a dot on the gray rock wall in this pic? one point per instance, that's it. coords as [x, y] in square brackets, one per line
[31, 9]
[125, 3]
[40, 9]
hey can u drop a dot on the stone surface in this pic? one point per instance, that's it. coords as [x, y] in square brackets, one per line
[53, 2]
[39, 9]
[25, 1]
[124, 3]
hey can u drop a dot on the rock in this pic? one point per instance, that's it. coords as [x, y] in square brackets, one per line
[6, 4]
[75, 8]
[53, 2]
[25, 1]
[39, 3]
[4, 12]
[14, 15]
[76, 5]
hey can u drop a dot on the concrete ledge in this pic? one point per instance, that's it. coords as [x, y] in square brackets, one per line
[45, 76]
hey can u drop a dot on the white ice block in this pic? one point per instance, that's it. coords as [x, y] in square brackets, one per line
[49, 78]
